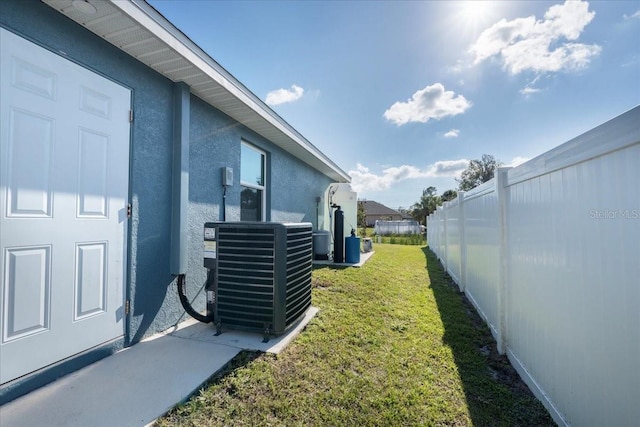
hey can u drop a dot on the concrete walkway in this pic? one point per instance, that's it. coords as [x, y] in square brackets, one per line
[141, 383]
[364, 257]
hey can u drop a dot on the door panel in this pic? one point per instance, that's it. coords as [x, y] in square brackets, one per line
[90, 290]
[28, 286]
[92, 174]
[29, 152]
[64, 168]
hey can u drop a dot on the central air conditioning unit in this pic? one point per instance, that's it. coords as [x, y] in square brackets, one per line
[261, 274]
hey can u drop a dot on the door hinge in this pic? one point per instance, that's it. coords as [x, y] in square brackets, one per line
[130, 116]
[127, 307]
[129, 210]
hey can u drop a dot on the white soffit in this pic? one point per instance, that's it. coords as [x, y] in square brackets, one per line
[139, 30]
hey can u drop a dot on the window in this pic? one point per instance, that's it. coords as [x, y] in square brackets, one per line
[252, 182]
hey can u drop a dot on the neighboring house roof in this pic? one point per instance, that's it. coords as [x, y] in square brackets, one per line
[375, 208]
[136, 28]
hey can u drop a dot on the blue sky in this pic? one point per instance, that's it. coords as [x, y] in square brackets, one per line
[402, 94]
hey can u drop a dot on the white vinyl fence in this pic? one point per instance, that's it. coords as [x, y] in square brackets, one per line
[384, 228]
[549, 254]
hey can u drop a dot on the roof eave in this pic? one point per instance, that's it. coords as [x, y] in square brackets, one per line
[180, 59]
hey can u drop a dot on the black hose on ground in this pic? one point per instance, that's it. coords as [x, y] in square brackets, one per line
[182, 282]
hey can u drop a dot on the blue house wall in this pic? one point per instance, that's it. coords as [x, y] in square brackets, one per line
[215, 141]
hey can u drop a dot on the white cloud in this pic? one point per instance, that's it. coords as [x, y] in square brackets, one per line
[459, 67]
[636, 15]
[547, 45]
[447, 168]
[453, 133]
[282, 96]
[528, 90]
[432, 102]
[518, 161]
[362, 179]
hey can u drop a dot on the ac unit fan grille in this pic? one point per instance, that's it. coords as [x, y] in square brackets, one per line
[299, 265]
[263, 274]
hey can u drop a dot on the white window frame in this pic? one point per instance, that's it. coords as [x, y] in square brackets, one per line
[253, 185]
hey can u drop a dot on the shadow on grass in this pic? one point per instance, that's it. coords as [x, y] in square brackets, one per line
[244, 358]
[331, 266]
[495, 394]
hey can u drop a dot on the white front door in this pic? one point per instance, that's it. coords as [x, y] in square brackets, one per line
[64, 178]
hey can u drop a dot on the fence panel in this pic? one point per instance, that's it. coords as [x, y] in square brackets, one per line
[482, 251]
[384, 228]
[435, 233]
[442, 235]
[452, 230]
[549, 253]
[573, 307]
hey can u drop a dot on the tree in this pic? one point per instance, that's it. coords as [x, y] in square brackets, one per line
[478, 172]
[404, 211]
[449, 195]
[428, 203]
[362, 218]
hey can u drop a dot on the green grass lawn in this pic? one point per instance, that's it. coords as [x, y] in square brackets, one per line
[394, 344]
[394, 239]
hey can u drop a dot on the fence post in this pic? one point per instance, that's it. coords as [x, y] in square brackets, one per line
[463, 244]
[503, 266]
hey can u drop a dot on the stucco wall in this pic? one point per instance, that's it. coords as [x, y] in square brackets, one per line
[214, 142]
